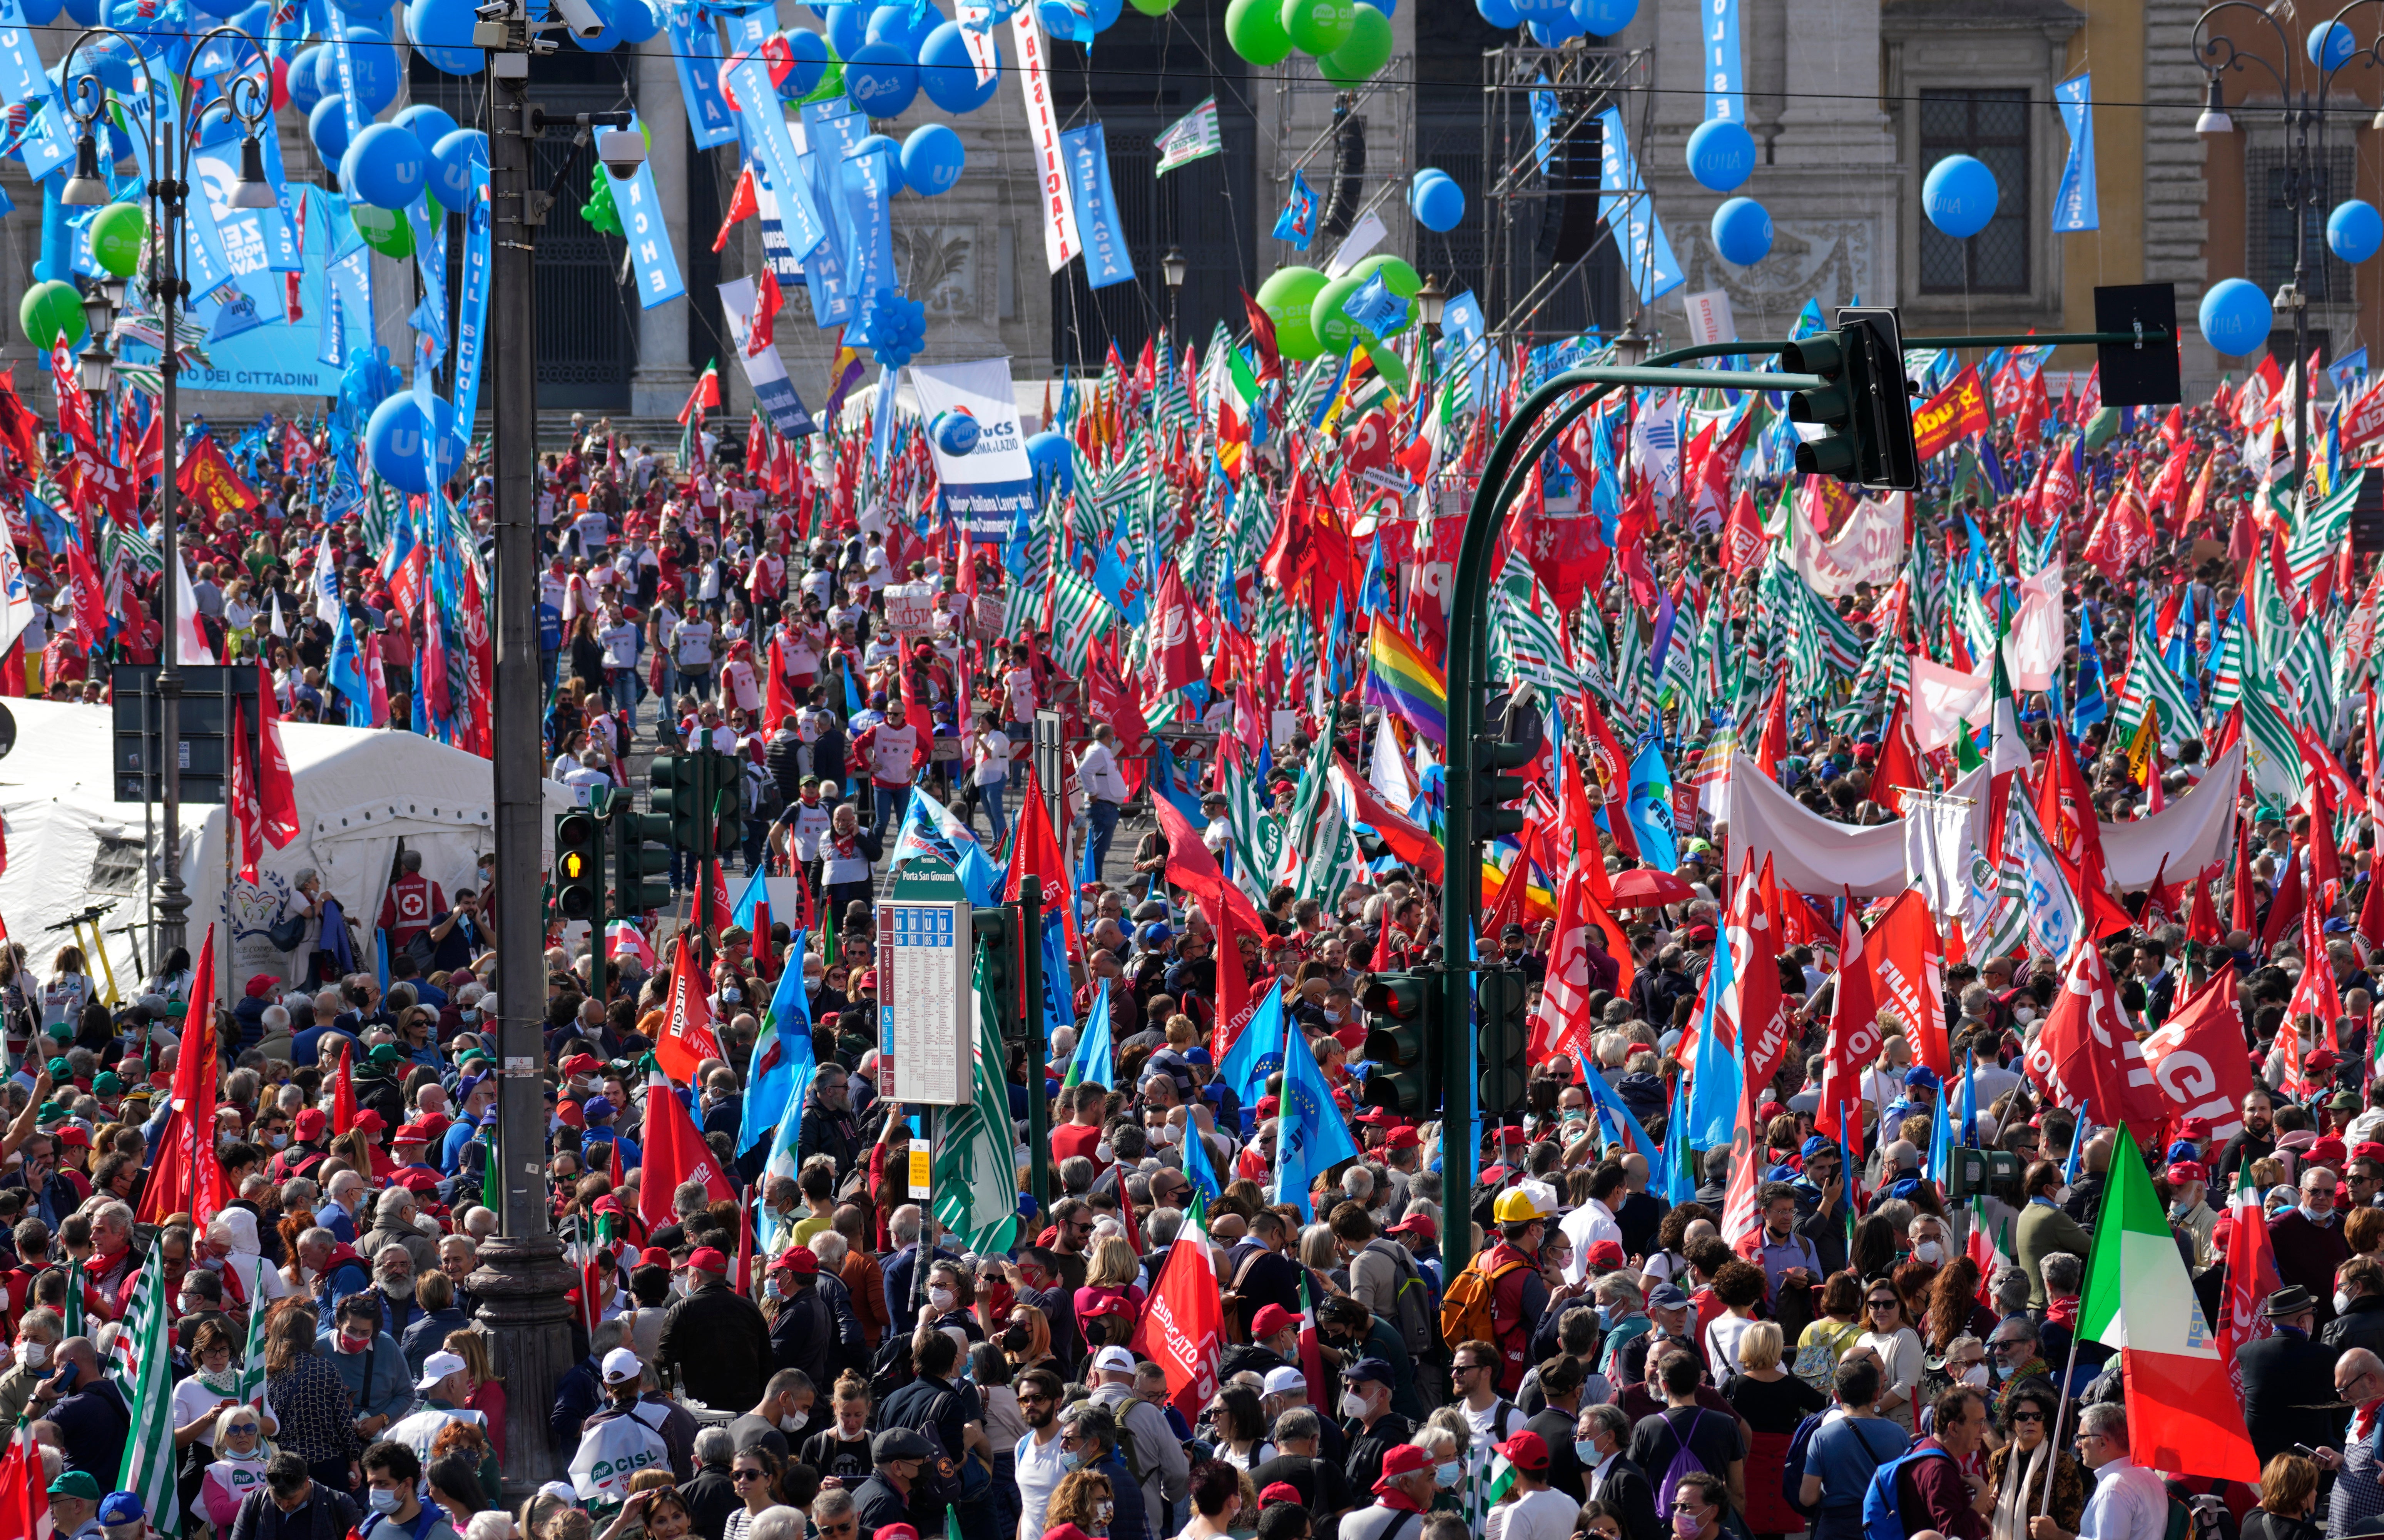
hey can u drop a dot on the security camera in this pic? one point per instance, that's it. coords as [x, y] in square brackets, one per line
[581, 18]
[621, 151]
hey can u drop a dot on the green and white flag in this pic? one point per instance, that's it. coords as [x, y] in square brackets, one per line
[1080, 616]
[1524, 641]
[974, 1172]
[1189, 138]
[149, 1466]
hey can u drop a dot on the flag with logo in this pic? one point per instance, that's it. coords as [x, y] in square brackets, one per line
[149, 1462]
[975, 1169]
[1189, 138]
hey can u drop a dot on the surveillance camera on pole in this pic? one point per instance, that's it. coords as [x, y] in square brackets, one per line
[581, 18]
[621, 151]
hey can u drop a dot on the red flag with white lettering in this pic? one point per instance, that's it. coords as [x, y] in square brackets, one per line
[1182, 1327]
[687, 1039]
[1853, 1034]
[2087, 1055]
[1912, 969]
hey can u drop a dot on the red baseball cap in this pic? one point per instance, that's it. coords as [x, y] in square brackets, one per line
[411, 1133]
[309, 1123]
[581, 1063]
[708, 1258]
[1406, 1460]
[1270, 1319]
[653, 1256]
[1527, 1449]
[2182, 1172]
[796, 1258]
[370, 1121]
[1416, 1224]
[1276, 1492]
[1402, 1137]
[1604, 1256]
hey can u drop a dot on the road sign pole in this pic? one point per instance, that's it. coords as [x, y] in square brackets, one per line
[1038, 1112]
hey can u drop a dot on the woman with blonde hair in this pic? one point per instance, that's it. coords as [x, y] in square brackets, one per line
[488, 1395]
[1084, 1499]
[1111, 1295]
[1772, 1402]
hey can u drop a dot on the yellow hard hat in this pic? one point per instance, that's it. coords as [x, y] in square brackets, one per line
[1515, 1207]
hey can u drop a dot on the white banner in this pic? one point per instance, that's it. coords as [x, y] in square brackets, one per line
[992, 485]
[1363, 237]
[1709, 317]
[1869, 547]
[1942, 699]
[1059, 244]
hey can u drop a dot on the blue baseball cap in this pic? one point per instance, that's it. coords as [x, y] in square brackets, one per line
[1813, 1146]
[597, 1107]
[122, 1508]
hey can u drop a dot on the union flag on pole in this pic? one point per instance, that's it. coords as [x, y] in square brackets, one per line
[687, 1039]
[1182, 1327]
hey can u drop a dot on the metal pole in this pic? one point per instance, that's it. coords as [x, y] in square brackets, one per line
[1038, 1111]
[166, 190]
[521, 1280]
[2304, 184]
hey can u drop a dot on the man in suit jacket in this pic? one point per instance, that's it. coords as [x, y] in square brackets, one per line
[2288, 1380]
[1610, 1478]
[2044, 1229]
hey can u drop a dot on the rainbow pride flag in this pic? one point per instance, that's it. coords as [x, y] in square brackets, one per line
[1498, 864]
[1402, 680]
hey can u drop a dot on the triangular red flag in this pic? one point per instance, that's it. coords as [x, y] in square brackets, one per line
[675, 1152]
[1854, 1039]
[687, 1039]
[343, 1090]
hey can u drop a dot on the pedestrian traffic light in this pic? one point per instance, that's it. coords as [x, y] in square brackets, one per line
[997, 947]
[1399, 1044]
[676, 796]
[636, 860]
[578, 865]
[1863, 405]
[1506, 1039]
[1493, 791]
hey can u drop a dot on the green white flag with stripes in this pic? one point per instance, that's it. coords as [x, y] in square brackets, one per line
[975, 1164]
[149, 1455]
[1525, 642]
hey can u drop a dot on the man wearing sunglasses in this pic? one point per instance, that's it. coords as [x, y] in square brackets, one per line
[1040, 1461]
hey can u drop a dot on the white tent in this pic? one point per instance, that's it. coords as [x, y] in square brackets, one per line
[72, 845]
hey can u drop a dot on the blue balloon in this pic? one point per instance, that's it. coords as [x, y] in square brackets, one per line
[636, 20]
[957, 432]
[1742, 231]
[375, 63]
[1436, 201]
[1553, 32]
[1603, 17]
[453, 174]
[1959, 197]
[1388, 7]
[892, 24]
[427, 123]
[847, 28]
[1543, 10]
[881, 80]
[328, 126]
[384, 165]
[394, 441]
[1721, 154]
[933, 159]
[2330, 44]
[810, 53]
[85, 12]
[364, 10]
[40, 13]
[2354, 230]
[1104, 13]
[2235, 317]
[1500, 14]
[948, 76]
[442, 31]
[1053, 457]
[304, 90]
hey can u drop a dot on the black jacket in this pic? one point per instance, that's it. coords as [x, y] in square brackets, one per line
[2360, 1327]
[2289, 1394]
[328, 1515]
[711, 1499]
[1630, 1494]
[721, 1346]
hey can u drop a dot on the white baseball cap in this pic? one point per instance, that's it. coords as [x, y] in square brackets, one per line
[622, 1364]
[438, 1366]
[1113, 1360]
[1282, 1381]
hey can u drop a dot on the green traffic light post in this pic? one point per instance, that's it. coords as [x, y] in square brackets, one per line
[1855, 393]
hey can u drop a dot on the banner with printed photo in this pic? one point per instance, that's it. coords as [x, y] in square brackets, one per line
[991, 488]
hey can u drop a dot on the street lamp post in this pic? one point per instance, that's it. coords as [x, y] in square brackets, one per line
[1173, 267]
[168, 191]
[2304, 115]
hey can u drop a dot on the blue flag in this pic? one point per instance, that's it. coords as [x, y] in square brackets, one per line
[1649, 807]
[1197, 1169]
[1376, 308]
[1680, 1183]
[1311, 1137]
[1094, 1060]
[1257, 1052]
[784, 1041]
[380, 956]
[749, 903]
[1297, 224]
[1940, 1139]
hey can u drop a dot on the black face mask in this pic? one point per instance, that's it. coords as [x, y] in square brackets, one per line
[1015, 1339]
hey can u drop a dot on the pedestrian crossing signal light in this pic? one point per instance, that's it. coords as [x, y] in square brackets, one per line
[1506, 1039]
[1400, 1044]
[578, 865]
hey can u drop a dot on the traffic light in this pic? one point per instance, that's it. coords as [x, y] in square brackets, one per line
[636, 860]
[1005, 978]
[725, 778]
[1493, 791]
[676, 798]
[1863, 404]
[578, 865]
[1506, 1039]
[1399, 1044]
[1978, 1171]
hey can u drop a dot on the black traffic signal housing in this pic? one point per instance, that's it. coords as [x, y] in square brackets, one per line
[1506, 1039]
[676, 795]
[1493, 789]
[636, 860]
[578, 865]
[1977, 1173]
[1864, 401]
[725, 780]
[1400, 1044]
[998, 952]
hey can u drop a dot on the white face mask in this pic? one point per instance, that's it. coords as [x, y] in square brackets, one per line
[1103, 1153]
[2342, 1301]
[1166, 1133]
[2024, 1013]
[940, 1298]
[1928, 1251]
[1353, 1405]
[37, 1354]
[1975, 1374]
[2061, 1194]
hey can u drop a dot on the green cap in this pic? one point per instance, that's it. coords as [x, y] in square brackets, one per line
[60, 1071]
[75, 1484]
[386, 1053]
[106, 1084]
[60, 1031]
[51, 1111]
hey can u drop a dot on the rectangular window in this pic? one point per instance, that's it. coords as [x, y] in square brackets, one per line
[2270, 232]
[1994, 126]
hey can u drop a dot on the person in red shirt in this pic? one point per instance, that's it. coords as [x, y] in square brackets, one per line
[412, 900]
[1081, 1135]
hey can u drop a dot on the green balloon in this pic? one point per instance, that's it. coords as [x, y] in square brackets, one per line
[1154, 8]
[51, 313]
[1317, 27]
[1397, 277]
[1288, 297]
[385, 231]
[1255, 29]
[117, 232]
[1334, 330]
[1367, 50]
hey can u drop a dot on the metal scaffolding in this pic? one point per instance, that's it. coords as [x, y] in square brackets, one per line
[1551, 266]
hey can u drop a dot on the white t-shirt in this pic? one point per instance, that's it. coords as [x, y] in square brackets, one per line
[1040, 1467]
[593, 529]
[1487, 1428]
[992, 755]
[807, 822]
[1019, 686]
[1546, 1514]
[192, 1399]
[620, 645]
[890, 749]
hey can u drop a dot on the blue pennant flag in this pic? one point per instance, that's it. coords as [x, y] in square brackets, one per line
[1649, 807]
[1094, 1060]
[1296, 223]
[1680, 1184]
[1257, 1052]
[1376, 308]
[785, 1041]
[1311, 1137]
[1718, 1082]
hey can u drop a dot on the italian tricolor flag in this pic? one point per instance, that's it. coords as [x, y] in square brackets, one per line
[2182, 1413]
[1239, 421]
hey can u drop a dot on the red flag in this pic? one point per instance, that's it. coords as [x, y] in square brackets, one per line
[1760, 1017]
[1562, 1022]
[1173, 639]
[686, 1040]
[1912, 972]
[2197, 1058]
[2087, 1055]
[248, 818]
[2251, 1277]
[2242, 915]
[1742, 1216]
[675, 1152]
[343, 1091]
[1899, 763]
[743, 204]
[185, 1175]
[276, 788]
[1853, 1035]
[1772, 747]
[1034, 852]
[1183, 1325]
[24, 1490]
[2286, 906]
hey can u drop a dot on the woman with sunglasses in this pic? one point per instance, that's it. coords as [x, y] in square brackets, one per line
[755, 1473]
[1897, 1347]
[2018, 1470]
[239, 1466]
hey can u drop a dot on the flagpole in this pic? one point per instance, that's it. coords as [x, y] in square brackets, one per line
[2061, 1391]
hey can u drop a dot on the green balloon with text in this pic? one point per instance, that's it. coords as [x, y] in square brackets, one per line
[1367, 49]
[1317, 27]
[1288, 296]
[1255, 29]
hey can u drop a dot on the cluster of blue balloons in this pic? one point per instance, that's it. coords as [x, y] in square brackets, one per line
[1553, 22]
[897, 328]
[1435, 200]
[892, 52]
[1722, 156]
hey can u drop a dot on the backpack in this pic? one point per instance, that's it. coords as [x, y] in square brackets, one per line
[1792, 1468]
[1413, 1306]
[1882, 1514]
[1465, 1310]
[1125, 1449]
[1684, 1460]
[943, 1480]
